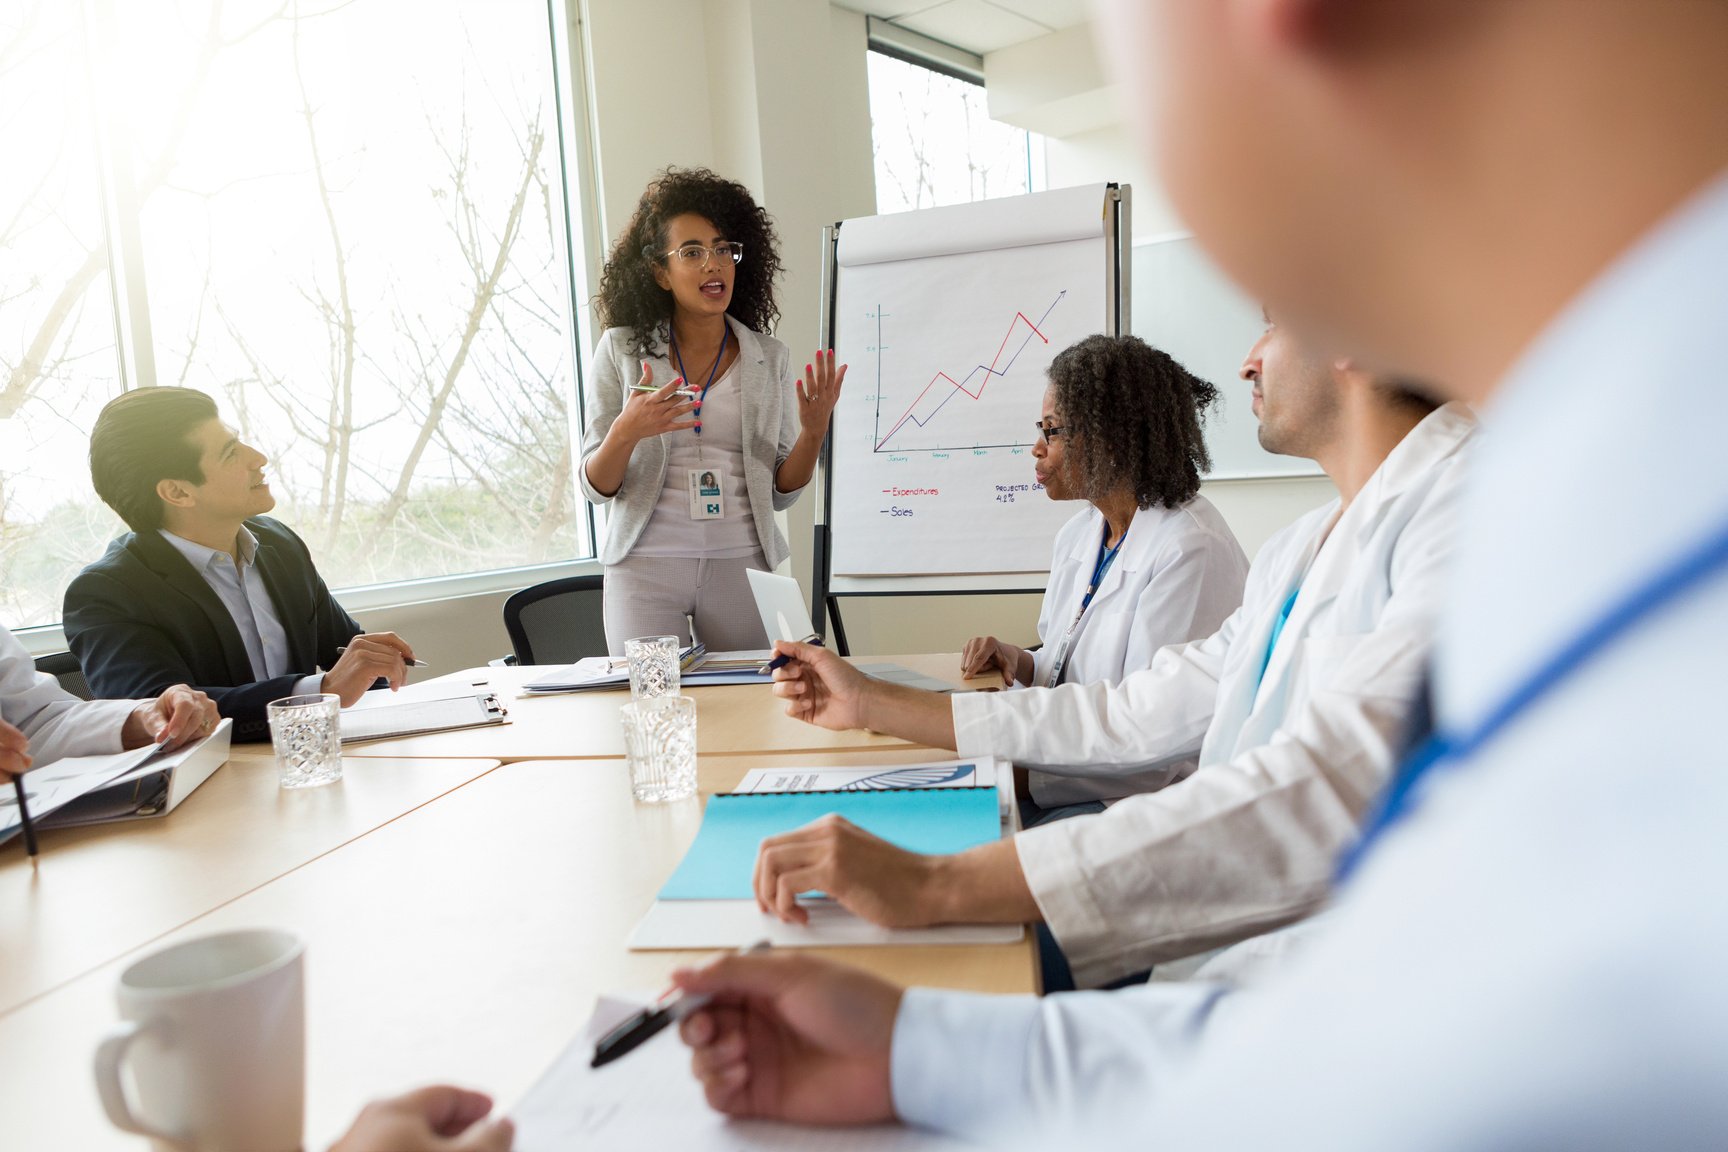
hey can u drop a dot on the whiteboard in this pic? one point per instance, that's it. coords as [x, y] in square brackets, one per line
[948, 319]
[1184, 305]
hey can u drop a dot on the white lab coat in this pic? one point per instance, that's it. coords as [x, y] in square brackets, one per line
[1178, 576]
[1534, 957]
[57, 723]
[1288, 762]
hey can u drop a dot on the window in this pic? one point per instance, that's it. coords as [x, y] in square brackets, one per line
[347, 221]
[934, 141]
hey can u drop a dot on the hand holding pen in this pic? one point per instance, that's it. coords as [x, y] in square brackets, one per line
[366, 659]
[670, 1008]
[651, 410]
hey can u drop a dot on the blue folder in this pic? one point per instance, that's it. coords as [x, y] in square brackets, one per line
[931, 820]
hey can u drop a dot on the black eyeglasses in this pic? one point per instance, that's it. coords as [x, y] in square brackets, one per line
[1047, 433]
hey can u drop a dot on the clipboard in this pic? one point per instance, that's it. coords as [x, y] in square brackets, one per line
[419, 717]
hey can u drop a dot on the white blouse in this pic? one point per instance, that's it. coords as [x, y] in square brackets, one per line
[671, 531]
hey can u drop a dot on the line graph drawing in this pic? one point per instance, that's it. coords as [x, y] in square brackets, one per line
[983, 373]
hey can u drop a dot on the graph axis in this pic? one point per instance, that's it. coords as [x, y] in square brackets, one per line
[879, 442]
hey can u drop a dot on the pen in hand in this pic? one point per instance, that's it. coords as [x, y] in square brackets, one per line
[24, 816]
[781, 661]
[409, 663]
[646, 1024]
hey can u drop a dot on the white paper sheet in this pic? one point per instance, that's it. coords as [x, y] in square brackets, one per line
[978, 772]
[649, 1100]
[681, 924]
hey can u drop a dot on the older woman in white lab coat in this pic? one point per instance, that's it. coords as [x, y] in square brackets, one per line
[1149, 562]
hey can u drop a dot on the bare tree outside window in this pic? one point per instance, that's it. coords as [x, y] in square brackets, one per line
[356, 245]
[934, 142]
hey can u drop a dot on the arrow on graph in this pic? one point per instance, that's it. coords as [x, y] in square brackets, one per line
[991, 369]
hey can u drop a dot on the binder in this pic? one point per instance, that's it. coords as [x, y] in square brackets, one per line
[137, 785]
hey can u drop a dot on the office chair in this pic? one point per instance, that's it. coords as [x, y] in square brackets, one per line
[63, 666]
[557, 622]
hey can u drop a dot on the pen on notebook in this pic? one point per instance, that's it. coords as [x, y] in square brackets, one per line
[782, 661]
[646, 1024]
[410, 663]
[24, 816]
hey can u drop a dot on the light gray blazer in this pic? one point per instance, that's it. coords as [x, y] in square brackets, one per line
[770, 411]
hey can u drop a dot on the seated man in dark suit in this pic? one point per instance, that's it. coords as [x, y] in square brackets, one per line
[206, 590]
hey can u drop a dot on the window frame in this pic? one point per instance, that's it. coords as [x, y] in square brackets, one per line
[577, 245]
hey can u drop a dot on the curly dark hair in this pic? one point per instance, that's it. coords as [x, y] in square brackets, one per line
[629, 296]
[1132, 417]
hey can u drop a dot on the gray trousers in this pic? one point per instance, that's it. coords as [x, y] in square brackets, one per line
[653, 595]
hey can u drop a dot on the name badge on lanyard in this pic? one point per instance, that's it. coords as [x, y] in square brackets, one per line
[706, 503]
[1065, 646]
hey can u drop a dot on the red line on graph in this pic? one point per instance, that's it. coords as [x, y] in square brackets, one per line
[989, 371]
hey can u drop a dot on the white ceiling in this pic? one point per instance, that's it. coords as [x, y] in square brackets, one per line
[978, 26]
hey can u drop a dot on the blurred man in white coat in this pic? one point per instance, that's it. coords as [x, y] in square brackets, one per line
[1527, 202]
[1252, 754]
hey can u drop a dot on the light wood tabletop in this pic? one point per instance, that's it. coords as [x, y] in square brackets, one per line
[584, 725]
[100, 892]
[465, 942]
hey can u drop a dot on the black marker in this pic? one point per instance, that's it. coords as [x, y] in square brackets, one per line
[649, 1022]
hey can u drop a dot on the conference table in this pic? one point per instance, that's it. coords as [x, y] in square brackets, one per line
[584, 725]
[462, 907]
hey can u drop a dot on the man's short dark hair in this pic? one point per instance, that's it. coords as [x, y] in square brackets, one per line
[141, 438]
[1412, 395]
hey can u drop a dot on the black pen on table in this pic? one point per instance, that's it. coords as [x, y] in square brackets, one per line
[646, 1024]
[782, 661]
[409, 663]
[24, 815]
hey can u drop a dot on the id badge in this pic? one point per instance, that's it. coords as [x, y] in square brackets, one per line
[705, 500]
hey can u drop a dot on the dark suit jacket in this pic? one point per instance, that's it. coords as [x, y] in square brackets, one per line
[142, 619]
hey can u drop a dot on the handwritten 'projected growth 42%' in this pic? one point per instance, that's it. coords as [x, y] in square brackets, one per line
[943, 388]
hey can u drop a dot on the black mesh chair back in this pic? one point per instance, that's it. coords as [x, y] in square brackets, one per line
[558, 622]
[63, 666]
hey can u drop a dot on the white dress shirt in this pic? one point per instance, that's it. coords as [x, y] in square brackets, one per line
[56, 723]
[1177, 575]
[1535, 958]
[1290, 750]
[236, 582]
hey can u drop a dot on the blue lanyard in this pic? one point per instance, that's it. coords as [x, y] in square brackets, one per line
[1666, 587]
[1106, 557]
[725, 331]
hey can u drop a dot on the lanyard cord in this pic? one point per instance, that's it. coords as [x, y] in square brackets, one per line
[725, 331]
[1106, 557]
[1647, 599]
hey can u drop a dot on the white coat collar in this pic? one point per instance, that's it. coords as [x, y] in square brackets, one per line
[1602, 458]
[1326, 565]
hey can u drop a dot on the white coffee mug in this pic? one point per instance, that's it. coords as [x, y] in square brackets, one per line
[215, 1041]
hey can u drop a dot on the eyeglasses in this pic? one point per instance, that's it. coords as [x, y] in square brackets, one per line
[1049, 433]
[695, 255]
